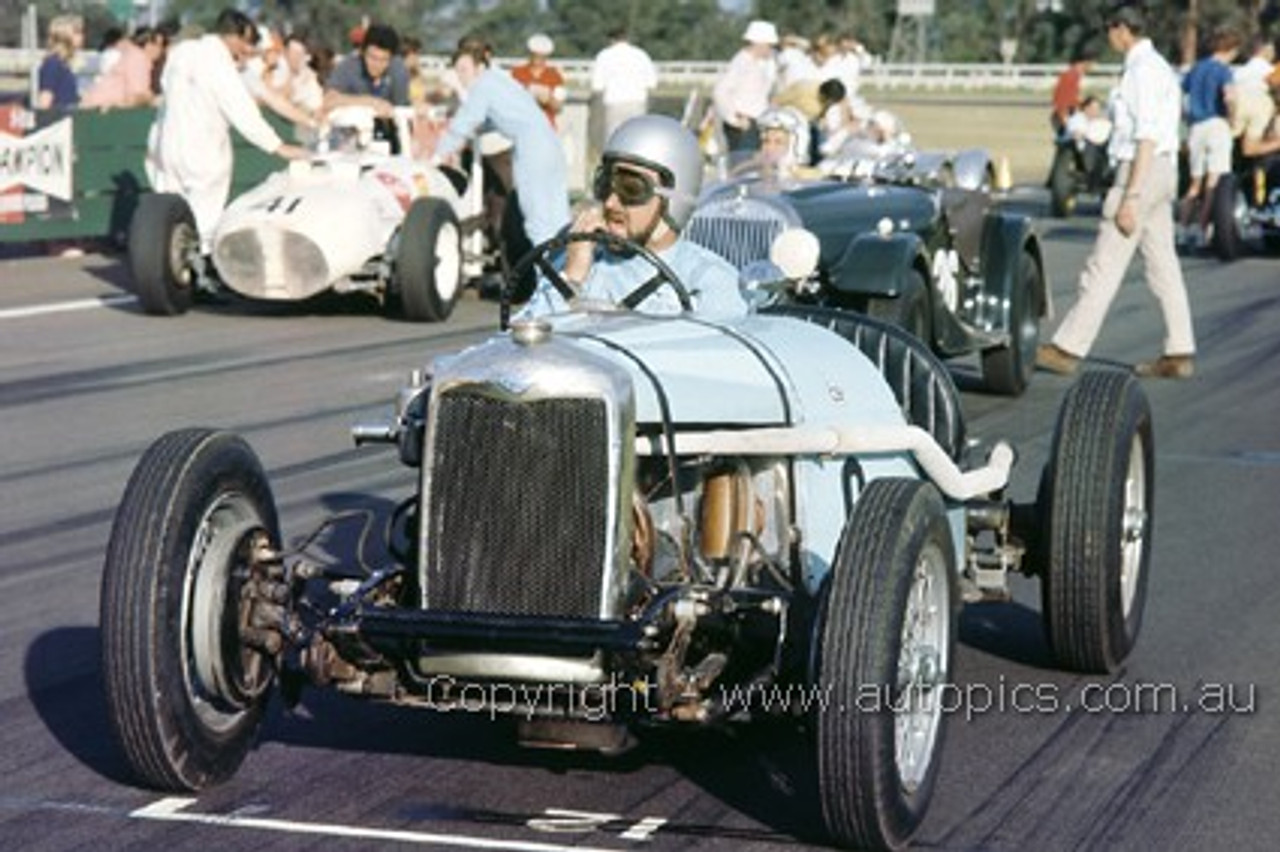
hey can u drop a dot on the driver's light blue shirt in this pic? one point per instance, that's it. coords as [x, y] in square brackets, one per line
[711, 280]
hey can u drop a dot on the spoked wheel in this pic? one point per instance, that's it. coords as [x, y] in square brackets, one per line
[1095, 508]
[164, 247]
[428, 262]
[885, 640]
[185, 692]
[1007, 369]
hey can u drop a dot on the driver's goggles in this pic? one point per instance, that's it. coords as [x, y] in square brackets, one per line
[632, 188]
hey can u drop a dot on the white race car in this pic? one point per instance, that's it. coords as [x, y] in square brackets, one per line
[353, 217]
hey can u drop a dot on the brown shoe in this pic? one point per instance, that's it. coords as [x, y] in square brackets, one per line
[1167, 367]
[1055, 359]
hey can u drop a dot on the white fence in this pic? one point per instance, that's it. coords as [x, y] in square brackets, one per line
[936, 76]
[883, 76]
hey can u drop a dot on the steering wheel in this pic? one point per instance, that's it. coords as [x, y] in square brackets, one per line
[540, 256]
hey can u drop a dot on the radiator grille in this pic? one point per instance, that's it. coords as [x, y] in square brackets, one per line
[739, 230]
[518, 512]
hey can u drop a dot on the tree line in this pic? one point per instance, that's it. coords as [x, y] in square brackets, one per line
[1038, 31]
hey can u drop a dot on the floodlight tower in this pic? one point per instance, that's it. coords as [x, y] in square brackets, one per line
[910, 40]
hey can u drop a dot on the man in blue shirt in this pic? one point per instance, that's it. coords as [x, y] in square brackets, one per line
[373, 77]
[647, 185]
[1209, 89]
[493, 100]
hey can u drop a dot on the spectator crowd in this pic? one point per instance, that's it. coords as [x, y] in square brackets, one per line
[785, 102]
[789, 100]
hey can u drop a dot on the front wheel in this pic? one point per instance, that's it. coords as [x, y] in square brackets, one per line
[1095, 508]
[909, 310]
[885, 637]
[185, 694]
[1007, 369]
[428, 262]
[164, 246]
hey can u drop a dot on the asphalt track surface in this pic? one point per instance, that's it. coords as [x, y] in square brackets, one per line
[1179, 751]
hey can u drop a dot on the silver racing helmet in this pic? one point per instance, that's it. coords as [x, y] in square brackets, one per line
[670, 149]
[792, 123]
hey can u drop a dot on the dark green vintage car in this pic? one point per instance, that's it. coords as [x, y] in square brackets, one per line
[912, 243]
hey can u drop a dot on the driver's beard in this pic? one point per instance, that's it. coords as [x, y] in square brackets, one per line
[657, 228]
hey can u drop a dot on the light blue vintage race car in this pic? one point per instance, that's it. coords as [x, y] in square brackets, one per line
[626, 520]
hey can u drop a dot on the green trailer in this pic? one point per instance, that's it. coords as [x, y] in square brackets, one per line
[105, 154]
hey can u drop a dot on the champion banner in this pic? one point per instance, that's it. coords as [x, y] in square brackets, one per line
[35, 166]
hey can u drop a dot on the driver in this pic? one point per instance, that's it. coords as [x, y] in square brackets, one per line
[647, 185]
[784, 146]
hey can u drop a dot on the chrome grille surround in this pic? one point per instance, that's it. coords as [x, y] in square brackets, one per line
[529, 449]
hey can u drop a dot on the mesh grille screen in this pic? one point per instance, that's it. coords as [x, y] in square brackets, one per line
[518, 506]
[739, 231]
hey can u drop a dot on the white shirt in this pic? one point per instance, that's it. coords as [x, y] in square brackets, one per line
[795, 66]
[107, 59]
[1082, 128]
[623, 74]
[1147, 104]
[257, 78]
[745, 86]
[1251, 77]
[845, 67]
[305, 90]
[204, 96]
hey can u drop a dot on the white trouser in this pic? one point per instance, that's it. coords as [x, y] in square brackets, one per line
[1112, 252]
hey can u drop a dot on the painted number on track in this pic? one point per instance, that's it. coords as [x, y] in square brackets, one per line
[560, 821]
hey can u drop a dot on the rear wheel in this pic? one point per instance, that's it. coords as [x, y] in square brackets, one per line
[185, 694]
[1062, 182]
[1007, 369]
[428, 262]
[1227, 204]
[1095, 508]
[163, 248]
[885, 641]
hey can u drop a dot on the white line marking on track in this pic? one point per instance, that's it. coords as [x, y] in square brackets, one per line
[61, 307]
[19, 803]
[170, 809]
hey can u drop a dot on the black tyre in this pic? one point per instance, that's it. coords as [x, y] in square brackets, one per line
[163, 247]
[428, 262]
[1062, 183]
[1226, 220]
[1095, 509]
[184, 694]
[885, 640]
[1007, 369]
[908, 311]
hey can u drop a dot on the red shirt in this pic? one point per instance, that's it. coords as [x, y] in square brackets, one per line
[547, 77]
[1066, 94]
